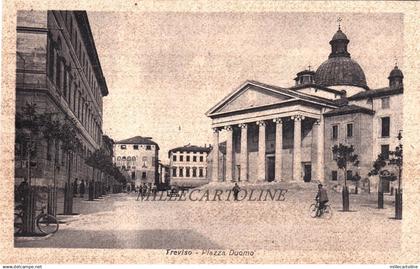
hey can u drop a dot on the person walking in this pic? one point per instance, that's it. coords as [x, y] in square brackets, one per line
[22, 190]
[82, 188]
[236, 189]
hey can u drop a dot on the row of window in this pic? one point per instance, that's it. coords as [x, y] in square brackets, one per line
[384, 132]
[136, 147]
[188, 172]
[81, 54]
[335, 131]
[188, 158]
[60, 75]
[334, 175]
[129, 158]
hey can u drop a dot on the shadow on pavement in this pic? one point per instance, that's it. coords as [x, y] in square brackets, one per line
[135, 239]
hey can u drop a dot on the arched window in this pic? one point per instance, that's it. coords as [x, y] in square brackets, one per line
[128, 158]
[133, 159]
[118, 158]
[123, 158]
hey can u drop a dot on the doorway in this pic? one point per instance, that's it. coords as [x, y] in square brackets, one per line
[307, 176]
[270, 168]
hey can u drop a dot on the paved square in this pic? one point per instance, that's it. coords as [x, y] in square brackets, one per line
[119, 221]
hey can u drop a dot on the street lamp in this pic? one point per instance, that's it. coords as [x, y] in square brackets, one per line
[399, 162]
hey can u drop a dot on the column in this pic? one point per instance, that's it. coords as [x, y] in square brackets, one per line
[320, 150]
[244, 152]
[297, 147]
[215, 168]
[278, 149]
[261, 151]
[171, 166]
[229, 153]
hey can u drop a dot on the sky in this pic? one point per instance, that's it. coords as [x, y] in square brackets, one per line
[165, 70]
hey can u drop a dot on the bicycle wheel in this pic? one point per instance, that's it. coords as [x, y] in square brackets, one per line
[313, 209]
[18, 224]
[327, 212]
[47, 224]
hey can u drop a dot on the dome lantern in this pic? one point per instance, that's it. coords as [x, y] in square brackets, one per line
[339, 44]
[395, 78]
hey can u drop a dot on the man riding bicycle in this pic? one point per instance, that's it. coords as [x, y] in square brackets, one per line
[322, 199]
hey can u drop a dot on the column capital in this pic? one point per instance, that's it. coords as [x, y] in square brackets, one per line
[243, 125]
[228, 128]
[278, 120]
[297, 117]
[216, 130]
[318, 122]
[261, 123]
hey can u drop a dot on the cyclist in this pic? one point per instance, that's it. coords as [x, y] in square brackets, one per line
[322, 198]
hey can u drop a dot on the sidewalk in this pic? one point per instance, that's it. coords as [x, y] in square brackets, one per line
[81, 207]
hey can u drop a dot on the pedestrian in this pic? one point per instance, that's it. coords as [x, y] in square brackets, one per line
[82, 188]
[322, 198]
[22, 190]
[75, 187]
[236, 189]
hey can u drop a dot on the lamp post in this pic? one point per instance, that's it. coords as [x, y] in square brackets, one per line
[399, 161]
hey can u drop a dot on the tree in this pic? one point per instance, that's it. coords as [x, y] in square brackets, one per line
[378, 166]
[70, 144]
[26, 135]
[344, 157]
[395, 160]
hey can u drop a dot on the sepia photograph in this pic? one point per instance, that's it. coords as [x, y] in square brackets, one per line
[209, 135]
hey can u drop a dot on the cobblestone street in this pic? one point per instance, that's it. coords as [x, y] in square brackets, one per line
[119, 221]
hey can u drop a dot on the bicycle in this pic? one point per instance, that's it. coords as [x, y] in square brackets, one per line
[315, 211]
[46, 223]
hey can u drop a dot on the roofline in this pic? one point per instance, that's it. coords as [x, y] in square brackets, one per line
[374, 94]
[348, 84]
[358, 110]
[266, 87]
[313, 85]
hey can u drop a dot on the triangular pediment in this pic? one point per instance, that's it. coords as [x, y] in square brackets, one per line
[250, 96]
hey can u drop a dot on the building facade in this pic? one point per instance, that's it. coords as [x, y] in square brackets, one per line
[287, 133]
[188, 165]
[138, 157]
[59, 71]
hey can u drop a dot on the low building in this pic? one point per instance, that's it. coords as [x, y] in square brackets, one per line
[188, 165]
[138, 156]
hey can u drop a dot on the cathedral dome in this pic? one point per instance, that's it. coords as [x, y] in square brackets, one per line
[340, 69]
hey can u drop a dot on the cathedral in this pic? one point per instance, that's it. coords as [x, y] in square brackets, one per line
[287, 133]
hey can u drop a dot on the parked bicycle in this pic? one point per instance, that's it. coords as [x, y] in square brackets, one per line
[316, 212]
[46, 223]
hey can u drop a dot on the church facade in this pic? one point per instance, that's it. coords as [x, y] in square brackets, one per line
[287, 134]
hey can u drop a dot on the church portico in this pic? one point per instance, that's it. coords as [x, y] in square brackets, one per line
[268, 150]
